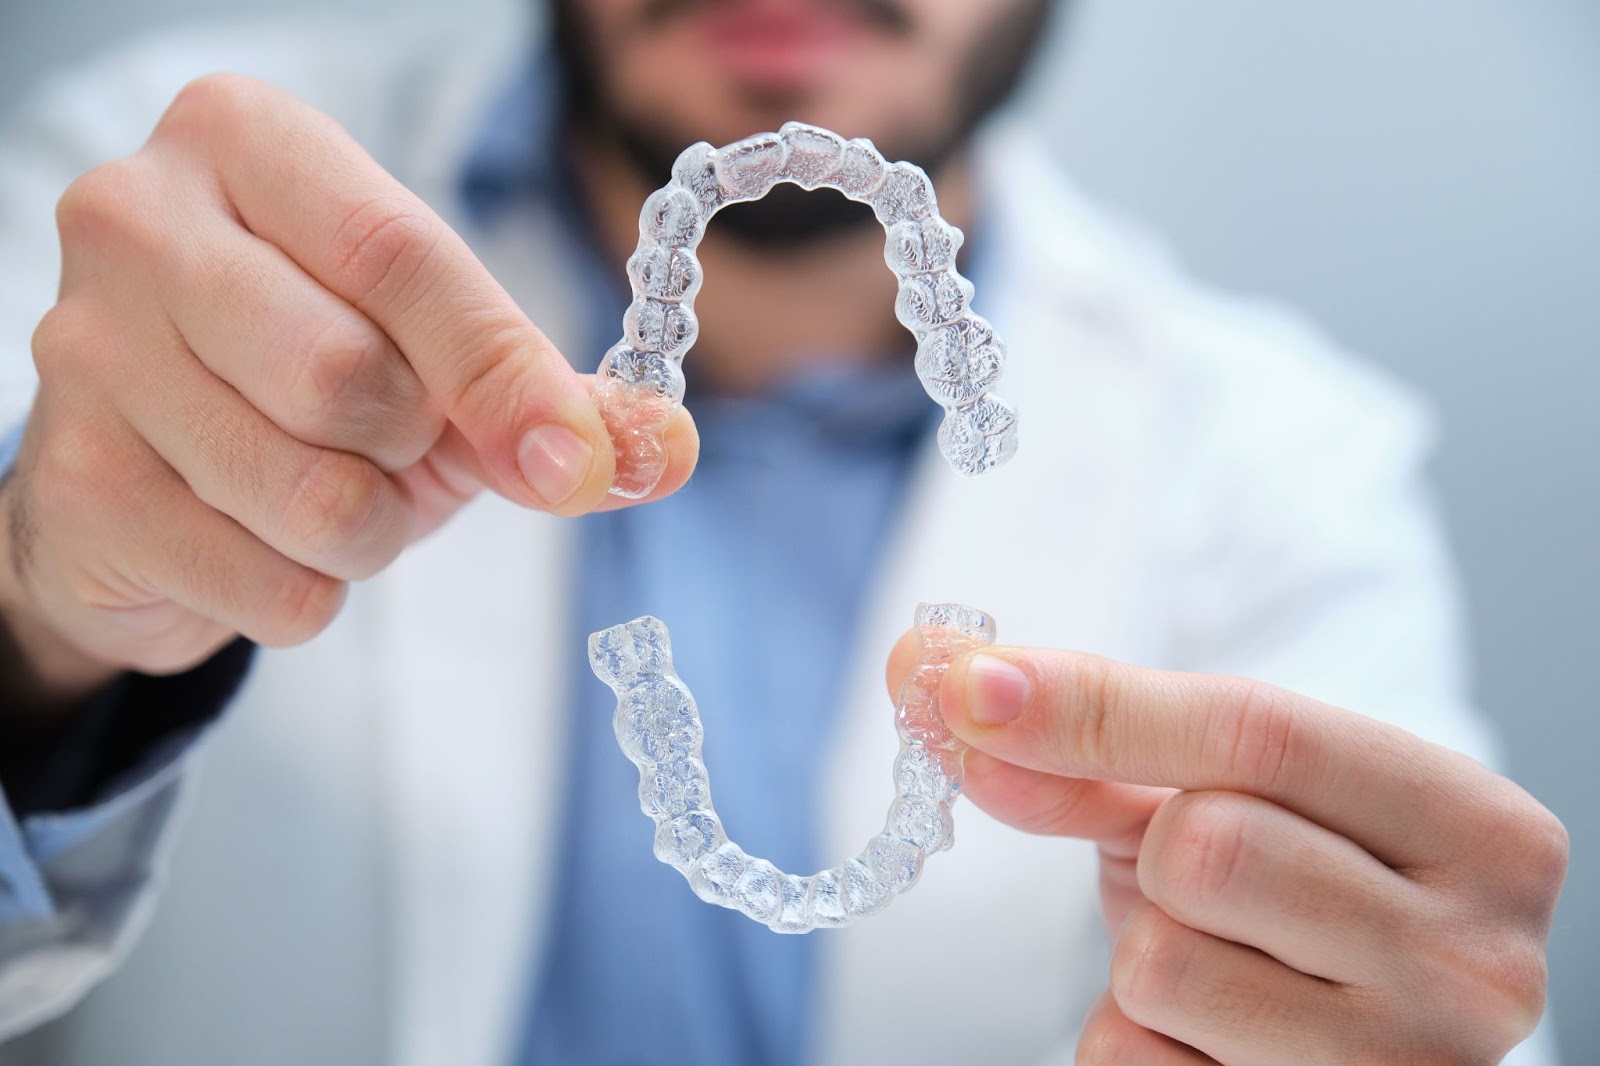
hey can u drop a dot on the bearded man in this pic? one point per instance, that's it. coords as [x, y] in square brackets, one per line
[307, 485]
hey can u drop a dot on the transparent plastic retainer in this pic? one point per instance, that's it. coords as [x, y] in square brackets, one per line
[641, 384]
[958, 355]
[658, 727]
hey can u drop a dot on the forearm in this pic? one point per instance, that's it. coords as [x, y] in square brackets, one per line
[71, 725]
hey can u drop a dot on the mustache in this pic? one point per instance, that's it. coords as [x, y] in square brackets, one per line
[887, 15]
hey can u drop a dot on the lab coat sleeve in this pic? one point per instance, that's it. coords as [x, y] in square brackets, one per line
[73, 886]
[1321, 565]
[76, 884]
[84, 823]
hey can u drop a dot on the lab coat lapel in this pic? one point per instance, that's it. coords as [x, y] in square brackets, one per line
[474, 627]
[480, 733]
[927, 956]
[1024, 543]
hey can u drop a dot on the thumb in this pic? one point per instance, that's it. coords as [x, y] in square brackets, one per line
[1109, 812]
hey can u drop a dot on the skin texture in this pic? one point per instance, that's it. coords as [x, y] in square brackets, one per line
[1283, 880]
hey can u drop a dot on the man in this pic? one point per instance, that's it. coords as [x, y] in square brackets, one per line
[273, 366]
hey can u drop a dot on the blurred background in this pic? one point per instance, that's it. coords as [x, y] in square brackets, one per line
[1421, 177]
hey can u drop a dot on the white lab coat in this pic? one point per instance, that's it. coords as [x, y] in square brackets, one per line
[1203, 483]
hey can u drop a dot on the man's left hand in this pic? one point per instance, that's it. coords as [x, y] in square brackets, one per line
[1284, 881]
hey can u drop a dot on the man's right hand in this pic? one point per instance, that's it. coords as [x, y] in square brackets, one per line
[270, 368]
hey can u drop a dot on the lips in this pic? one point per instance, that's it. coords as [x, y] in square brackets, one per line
[779, 45]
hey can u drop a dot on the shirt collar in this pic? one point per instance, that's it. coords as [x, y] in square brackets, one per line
[858, 407]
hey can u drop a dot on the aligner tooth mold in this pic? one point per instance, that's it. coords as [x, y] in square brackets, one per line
[958, 354]
[658, 727]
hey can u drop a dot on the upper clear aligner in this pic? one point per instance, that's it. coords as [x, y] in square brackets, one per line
[958, 354]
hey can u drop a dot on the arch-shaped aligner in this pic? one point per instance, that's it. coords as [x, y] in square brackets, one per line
[958, 355]
[658, 727]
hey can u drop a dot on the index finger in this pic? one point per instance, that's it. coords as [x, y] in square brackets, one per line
[296, 179]
[1405, 800]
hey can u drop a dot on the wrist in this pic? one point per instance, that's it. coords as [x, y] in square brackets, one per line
[43, 675]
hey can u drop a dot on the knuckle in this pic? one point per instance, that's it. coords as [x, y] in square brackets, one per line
[91, 197]
[109, 204]
[78, 341]
[333, 376]
[1523, 981]
[1501, 987]
[76, 468]
[211, 102]
[1253, 730]
[1535, 849]
[380, 248]
[60, 334]
[1106, 1041]
[1552, 853]
[304, 605]
[1148, 964]
[333, 502]
[1490, 973]
[1199, 843]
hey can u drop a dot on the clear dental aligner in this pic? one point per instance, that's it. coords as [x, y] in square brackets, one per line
[658, 726]
[958, 355]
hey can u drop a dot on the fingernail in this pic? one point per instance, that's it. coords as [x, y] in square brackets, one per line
[996, 690]
[555, 461]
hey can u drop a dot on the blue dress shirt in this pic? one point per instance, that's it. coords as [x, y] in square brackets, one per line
[758, 567]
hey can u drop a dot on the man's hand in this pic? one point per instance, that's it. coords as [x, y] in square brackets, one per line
[1285, 881]
[271, 367]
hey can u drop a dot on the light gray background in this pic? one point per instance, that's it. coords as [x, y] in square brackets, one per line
[1423, 176]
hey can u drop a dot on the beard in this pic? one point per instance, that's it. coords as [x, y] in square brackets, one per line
[790, 217]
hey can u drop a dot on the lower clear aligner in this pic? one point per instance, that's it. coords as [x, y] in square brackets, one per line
[658, 727]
